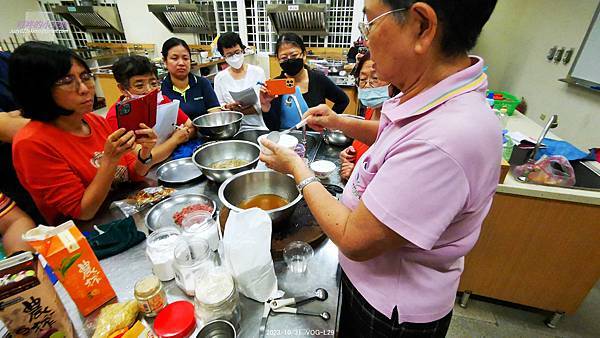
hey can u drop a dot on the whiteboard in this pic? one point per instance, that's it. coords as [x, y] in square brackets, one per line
[586, 68]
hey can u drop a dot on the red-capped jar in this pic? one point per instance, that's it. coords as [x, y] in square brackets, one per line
[176, 320]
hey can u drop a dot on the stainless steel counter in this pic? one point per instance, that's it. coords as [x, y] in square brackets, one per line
[125, 269]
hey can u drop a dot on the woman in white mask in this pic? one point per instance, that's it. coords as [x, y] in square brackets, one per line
[237, 77]
[372, 93]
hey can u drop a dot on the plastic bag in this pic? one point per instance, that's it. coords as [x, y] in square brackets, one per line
[247, 253]
[29, 304]
[548, 170]
[115, 317]
[142, 199]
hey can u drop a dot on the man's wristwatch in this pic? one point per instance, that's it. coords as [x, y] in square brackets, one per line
[144, 161]
[306, 182]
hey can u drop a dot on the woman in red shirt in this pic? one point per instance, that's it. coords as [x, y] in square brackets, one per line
[137, 76]
[372, 92]
[66, 157]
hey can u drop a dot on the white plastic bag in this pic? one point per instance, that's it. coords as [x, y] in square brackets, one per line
[247, 253]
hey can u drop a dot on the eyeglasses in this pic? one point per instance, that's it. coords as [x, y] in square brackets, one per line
[149, 85]
[70, 82]
[292, 56]
[371, 82]
[237, 52]
[365, 27]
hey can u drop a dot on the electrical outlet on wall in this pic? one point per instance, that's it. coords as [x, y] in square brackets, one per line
[543, 117]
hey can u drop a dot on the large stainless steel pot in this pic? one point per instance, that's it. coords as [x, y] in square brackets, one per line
[246, 185]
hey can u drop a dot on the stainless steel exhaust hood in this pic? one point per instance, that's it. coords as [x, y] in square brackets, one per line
[92, 19]
[303, 19]
[186, 18]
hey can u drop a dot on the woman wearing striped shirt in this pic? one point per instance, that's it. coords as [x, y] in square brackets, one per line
[13, 224]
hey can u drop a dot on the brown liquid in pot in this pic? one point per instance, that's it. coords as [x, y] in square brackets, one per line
[264, 202]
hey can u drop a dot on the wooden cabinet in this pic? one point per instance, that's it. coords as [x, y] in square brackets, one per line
[537, 252]
[110, 91]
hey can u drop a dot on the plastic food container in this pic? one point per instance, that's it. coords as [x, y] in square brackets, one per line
[159, 249]
[285, 140]
[217, 297]
[176, 320]
[193, 258]
[200, 224]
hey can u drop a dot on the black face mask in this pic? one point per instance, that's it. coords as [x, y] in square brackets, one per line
[292, 66]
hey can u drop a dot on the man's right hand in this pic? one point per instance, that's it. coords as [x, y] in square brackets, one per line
[118, 144]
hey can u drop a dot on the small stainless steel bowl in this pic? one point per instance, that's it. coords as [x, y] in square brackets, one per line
[337, 137]
[219, 125]
[246, 185]
[225, 150]
[217, 329]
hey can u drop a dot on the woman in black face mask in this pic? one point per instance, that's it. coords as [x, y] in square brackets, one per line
[312, 87]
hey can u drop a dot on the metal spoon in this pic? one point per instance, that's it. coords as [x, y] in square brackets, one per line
[319, 294]
[324, 315]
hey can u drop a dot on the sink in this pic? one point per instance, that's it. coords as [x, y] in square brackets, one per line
[313, 139]
[587, 175]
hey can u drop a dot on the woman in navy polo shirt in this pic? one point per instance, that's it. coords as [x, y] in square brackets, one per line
[195, 94]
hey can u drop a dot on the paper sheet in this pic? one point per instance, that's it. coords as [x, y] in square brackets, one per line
[166, 118]
[246, 97]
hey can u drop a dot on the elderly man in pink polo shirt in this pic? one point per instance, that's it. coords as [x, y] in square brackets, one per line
[414, 205]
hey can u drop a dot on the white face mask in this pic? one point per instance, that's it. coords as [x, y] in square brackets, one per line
[159, 96]
[235, 61]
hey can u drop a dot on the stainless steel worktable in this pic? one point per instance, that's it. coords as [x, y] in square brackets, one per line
[124, 269]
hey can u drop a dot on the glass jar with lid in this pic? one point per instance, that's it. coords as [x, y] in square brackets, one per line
[200, 224]
[193, 258]
[217, 297]
[159, 249]
[150, 295]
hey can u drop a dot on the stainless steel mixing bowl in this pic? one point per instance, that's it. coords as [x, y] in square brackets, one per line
[219, 125]
[246, 185]
[213, 152]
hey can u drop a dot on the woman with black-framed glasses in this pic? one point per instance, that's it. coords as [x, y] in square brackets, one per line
[312, 87]
[68, 157]
[413, 207]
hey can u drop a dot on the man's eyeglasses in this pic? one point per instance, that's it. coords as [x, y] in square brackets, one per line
[365, 27]
[71, 82]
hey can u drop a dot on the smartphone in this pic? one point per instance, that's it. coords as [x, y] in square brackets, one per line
[130, 113]
[281, 86]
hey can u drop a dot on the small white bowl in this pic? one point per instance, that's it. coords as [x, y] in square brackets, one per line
[323, 168]
[285, 140]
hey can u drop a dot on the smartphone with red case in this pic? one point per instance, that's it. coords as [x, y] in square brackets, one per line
[132, 112]
[281, 86]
